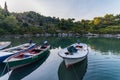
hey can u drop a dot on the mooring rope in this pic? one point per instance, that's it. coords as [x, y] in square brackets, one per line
[3, 70]
[6, 66]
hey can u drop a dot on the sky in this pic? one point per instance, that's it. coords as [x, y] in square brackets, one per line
[78, 9]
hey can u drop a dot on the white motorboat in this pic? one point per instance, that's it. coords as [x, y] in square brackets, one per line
[4, 44]
[74, 53]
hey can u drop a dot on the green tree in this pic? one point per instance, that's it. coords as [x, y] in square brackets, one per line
[9, 23]
[108, 19]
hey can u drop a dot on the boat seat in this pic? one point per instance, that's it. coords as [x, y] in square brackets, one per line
[20, 56]
[43, 47]
[18, 49]
[26, 55]
[35, 51]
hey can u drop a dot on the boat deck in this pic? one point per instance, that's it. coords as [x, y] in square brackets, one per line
[27, 54]
[74, 51]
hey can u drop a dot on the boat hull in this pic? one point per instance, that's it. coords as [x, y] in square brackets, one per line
[2, 58]
[71, 61]
[20, 63]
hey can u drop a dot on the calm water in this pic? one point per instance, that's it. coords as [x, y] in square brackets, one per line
[102, 63]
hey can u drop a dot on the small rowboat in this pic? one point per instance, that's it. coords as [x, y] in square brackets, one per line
[27, 57]
[24, 71]
[4, 44]
[15, 50]
[74, 53]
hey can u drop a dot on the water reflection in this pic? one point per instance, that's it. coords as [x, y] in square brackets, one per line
[75, 72]
[3, 69]
[22, 72]
[105, 45]
[100, 44]
[103, 61]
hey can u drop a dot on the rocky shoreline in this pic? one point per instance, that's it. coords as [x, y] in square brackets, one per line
[64, 35]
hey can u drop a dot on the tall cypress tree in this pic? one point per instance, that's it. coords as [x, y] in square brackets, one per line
[6, 12]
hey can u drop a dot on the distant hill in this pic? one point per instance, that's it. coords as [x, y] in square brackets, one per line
[32, 23]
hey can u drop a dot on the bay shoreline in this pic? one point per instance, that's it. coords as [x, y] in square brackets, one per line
[62, 35]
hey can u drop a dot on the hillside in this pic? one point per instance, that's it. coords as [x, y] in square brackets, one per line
[33, 23]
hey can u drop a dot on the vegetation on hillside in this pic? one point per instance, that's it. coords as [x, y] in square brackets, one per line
[33, 23]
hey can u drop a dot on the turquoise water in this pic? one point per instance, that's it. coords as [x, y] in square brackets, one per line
[102, 63]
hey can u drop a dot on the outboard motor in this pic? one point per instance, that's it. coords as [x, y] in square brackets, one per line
[45, 44]
[30, 41]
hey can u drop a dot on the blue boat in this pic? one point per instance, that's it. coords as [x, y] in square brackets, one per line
[27, 57]
[4, 55]
[15, 50]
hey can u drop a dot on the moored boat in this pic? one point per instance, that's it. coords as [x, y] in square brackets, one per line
[27, 57]
[24, 71]
[74, 53]
[4, 44]
[15, 50]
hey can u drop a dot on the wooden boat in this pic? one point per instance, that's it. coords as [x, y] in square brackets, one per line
[24, 71]
[27, 57]
[15, 50]
[4, 44]
[74, 53]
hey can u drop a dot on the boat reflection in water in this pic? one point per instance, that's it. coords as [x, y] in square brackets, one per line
[74, 72]
[20, 73]
[3, 69]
